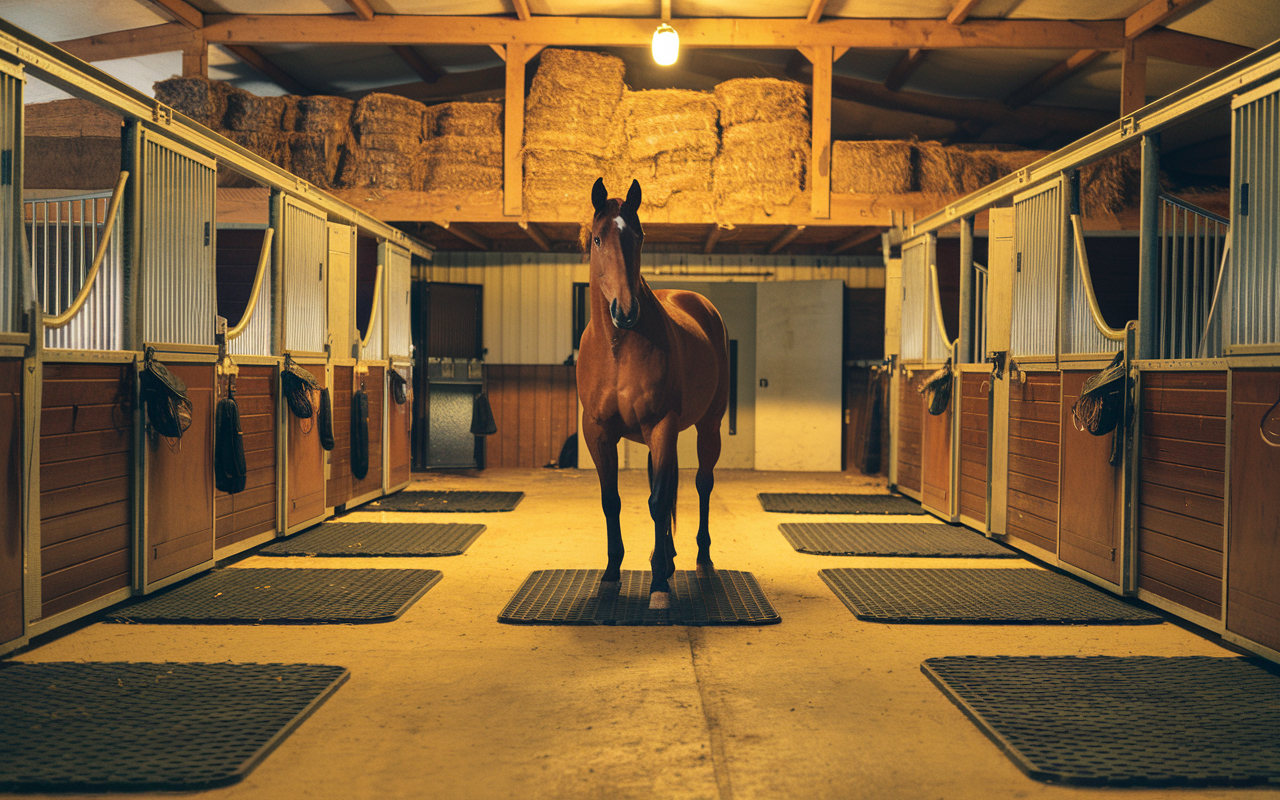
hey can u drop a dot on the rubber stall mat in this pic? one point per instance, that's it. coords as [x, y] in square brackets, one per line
[1123, 721]
[839, 504]
[572, 597]
[976, 596]
[378, 539]
[890, 539]
[284, 596]
[448, 501]
[114, 726]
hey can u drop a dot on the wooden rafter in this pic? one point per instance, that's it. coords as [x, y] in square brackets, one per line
[785, 238]
[537, 235]
[1052, 77]
[713, 237]
[513, 132]
[451, 85]
[905, 69]
[262, 64]
[195, 59]
[164, 38]
[1186, 48]
[467, 235]
[182, 11]
[820, 150]
[815, 11]
[1156, 12]
[362, 9]
[417, 63]
[522, 9]
[961, 11]
[861, 237]
[1133, 79]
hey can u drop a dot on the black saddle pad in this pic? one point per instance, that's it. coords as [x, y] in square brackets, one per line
[378, 539]
[282, 596]
[977, 595]
[96, 727]
[890, 539]
[793, 503]
[448, 501]
[1123, 721]
[572, 597]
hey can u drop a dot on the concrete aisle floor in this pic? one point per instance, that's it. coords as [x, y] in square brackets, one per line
[447, 703]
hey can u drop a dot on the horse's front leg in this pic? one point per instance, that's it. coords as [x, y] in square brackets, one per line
[708, 455]
[604, 452]
[662, 507]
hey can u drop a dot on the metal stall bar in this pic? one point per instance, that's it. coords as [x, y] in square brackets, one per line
[305, 247]
[251, 336]
[1192, 243]
[1254, 291]
[1088, 332]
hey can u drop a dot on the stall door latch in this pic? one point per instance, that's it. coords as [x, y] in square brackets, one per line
[996, 358]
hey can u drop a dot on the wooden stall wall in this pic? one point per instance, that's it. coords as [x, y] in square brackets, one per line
[251, 512]
[399, 430]
[935, 471]
[975, 388]
[338, 490]
[536, 410]
[304, 492]
[1090, 528]
[1034, 419]
[86, 448]
[910, 438]
[11, 608]
[180, 484]
[374, 385]
[1253, 580]
[1181, 482]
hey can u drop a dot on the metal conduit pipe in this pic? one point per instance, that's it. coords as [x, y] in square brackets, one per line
[264, 258]
[60, 320]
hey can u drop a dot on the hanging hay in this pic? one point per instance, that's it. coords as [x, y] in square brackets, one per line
[203, 100]
[387, 115]
[248, 112]
[271, 145]
[573, 103]
[463, 163]
[760, 99]
[876, 167]
[667, 120]
[761, 165]
[1111, 184]
[323, 114]
[462, 119]
[558, 182]
[315, 157]
[951, 170]
[380, 169]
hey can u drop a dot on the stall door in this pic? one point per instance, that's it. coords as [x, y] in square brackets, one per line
[304, 250]
[343, 333]
[799, 374]
[999, 307]
[11, 527]
[1253, 537]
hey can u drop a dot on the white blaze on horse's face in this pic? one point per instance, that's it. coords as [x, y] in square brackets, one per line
[620, 222]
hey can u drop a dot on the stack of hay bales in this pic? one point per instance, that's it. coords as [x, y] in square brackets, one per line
[873, 167]
[462, 147]
[764, 147]
[203, 100]
[319, 139]
[952, 170]
[386, 151]
[256, 123]
[571, 128]
[671, 140]
[1111, 184]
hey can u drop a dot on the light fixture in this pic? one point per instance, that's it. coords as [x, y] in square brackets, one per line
[666, 45]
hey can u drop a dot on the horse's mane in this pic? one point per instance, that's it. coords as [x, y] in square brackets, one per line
[613, 208]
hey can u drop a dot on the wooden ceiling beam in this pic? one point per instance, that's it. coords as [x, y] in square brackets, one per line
[261, 63]
[1052, 77]
[1156, 12]
[961, 11]
[713, 237]
[417, 63]
[536, 234]
[785, 238]
[522, 10]
[165, 38]
[861, 237]
[467, 235]
[1186, 48]
[905, 69]
[362, 9]
[182, 11]
[815, 11]
[451, 86]
[895, 34]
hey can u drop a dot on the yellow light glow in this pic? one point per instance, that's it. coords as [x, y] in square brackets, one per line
[666, 45]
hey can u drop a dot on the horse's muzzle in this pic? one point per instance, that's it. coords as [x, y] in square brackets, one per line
[628, 321]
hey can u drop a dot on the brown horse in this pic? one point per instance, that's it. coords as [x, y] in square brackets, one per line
[651, 364]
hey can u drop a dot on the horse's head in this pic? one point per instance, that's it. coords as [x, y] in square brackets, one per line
[616, 238]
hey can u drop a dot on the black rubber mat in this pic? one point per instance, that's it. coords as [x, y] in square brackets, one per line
[572, 597]
[890, 539]
[977, 596]
[448, 501]
[1131, 721]
[839, 504]
[96, 727]
[282, 596]
[378, 539]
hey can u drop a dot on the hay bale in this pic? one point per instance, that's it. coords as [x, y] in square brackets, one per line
[462, 119]
[761, 165]
[463, 163]
[1111, 184]
[1010, 161]
[391, 142]
[566, 75]
[952, 170]
[558, 182]
[760, 100]
[667, 120]
[380, 169]
[380, 114]
[873, 167]
[323, 114]
[203, 100]
[248, 112]
[289, 112]
[271, 145]
[573, 103]
[315, 157]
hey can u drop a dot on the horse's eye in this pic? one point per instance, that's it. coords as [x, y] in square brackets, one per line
[597, 241]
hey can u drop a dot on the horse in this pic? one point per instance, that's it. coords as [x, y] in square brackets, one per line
[650, 365]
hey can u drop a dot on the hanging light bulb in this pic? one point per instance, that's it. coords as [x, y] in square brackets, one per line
[666, 45]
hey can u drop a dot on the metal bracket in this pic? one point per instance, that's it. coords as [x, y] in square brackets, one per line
[1128, 126]
[162, 115]
[997, 358]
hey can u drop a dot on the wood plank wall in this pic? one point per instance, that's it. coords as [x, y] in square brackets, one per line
[1033, 459]
[374, 385]
[536, 409]
[338, 489]
[1181, 487]
[1253, 592]
[399, 421]
[252, 511]
[910, 430]
[10, 499]
[935, 473]
[86, 444]
[1089, 526]
[305, 498]
[975, 387]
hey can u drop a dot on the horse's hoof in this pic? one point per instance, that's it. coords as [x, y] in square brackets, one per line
[706, 569]
[659, 601]
[609, 588]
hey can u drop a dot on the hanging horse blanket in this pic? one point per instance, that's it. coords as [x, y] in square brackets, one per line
[360, 434]
[229, 469]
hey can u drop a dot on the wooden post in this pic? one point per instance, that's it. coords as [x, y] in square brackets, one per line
[1149, 247]
[1133, 78]
[195, 58]
[820, 155]
[513, 138]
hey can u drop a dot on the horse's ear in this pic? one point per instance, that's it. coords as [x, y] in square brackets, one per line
[599, 196]
[633, 198]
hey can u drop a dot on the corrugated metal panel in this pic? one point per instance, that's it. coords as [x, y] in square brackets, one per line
[399, 337]
[64, 236]
[915, 268]
[179, 187]
[1255, 245]
[256, 338]
[1038, 231]
[305, 247]
[10, 141]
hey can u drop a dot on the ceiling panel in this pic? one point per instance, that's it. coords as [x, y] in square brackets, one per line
[1252, 23]
[981, 73]
[51, 21]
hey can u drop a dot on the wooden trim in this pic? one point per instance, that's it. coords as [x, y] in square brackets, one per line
[1154, 13]
[242, 545]
[72, 614]
[513, 133]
